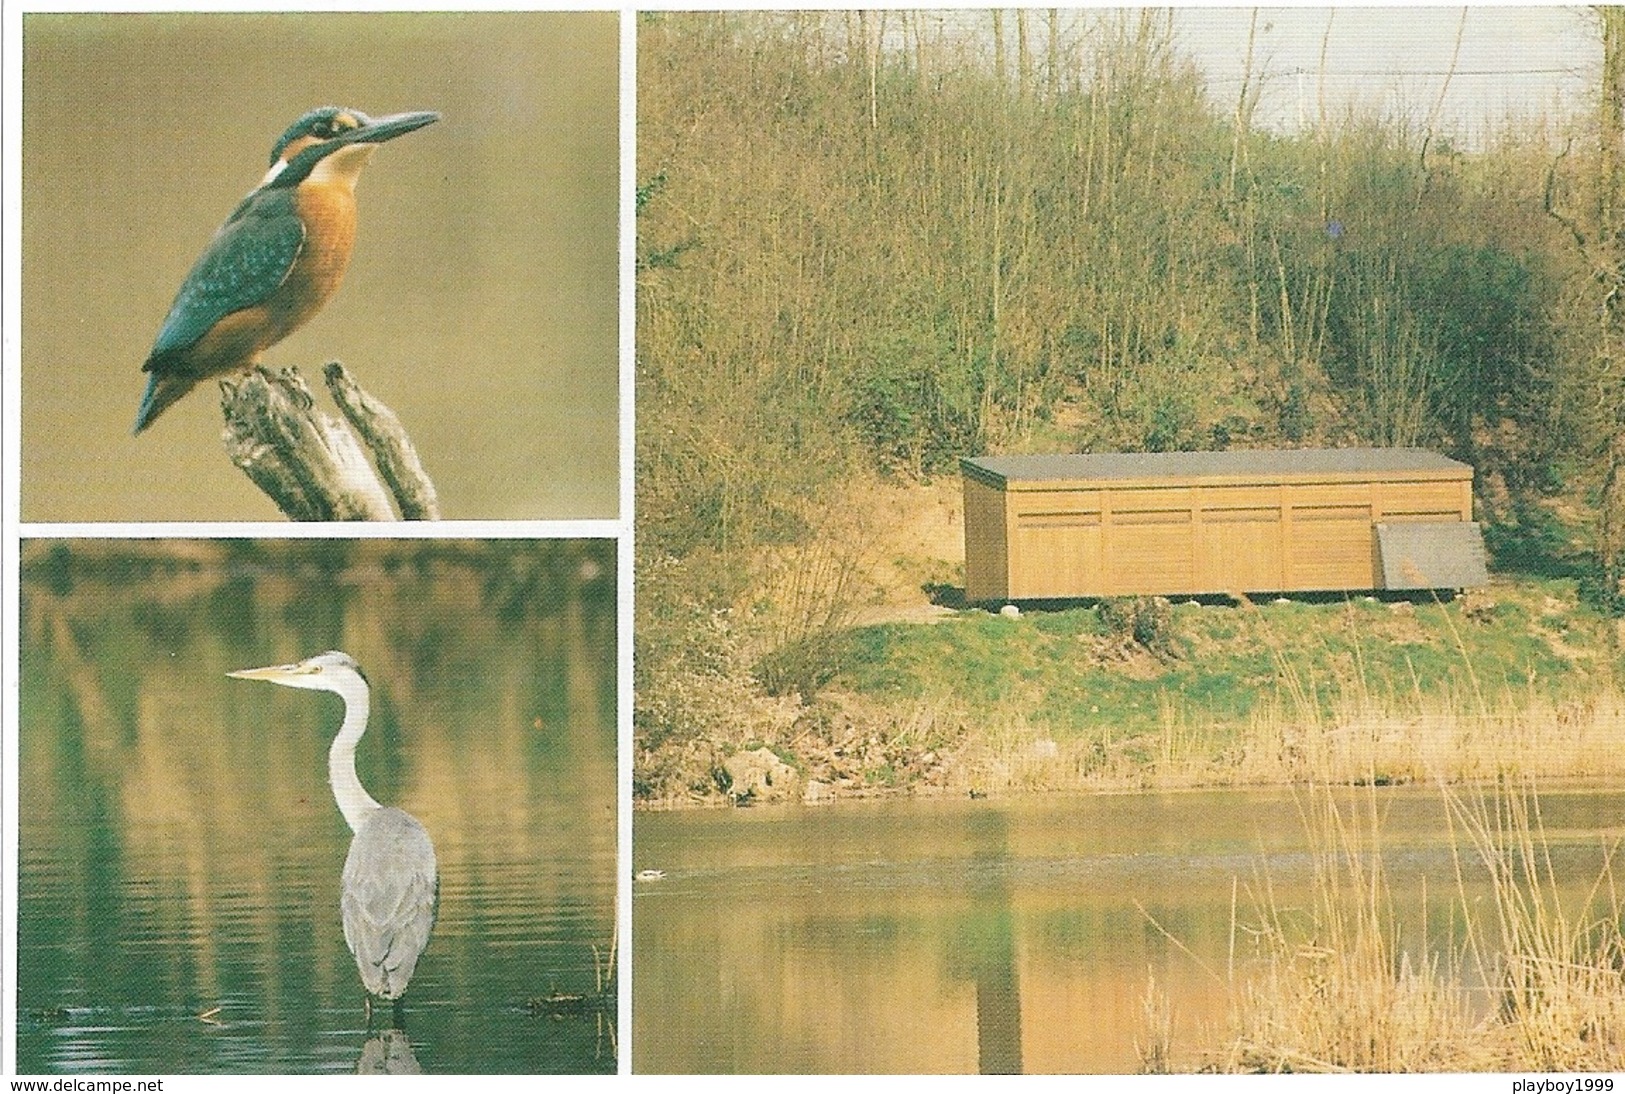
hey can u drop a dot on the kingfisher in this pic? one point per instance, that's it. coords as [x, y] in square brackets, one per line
[276, 260]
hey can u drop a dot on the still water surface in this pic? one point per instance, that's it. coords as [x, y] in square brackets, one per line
[961, 936]
[180, 848]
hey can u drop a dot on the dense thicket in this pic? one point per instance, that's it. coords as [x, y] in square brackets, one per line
[878, 241]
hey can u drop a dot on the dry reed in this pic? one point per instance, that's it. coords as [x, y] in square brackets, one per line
[1535, 985]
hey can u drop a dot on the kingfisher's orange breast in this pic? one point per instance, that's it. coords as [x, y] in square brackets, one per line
[327, 211]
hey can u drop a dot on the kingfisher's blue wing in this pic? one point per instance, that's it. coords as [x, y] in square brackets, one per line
[246, 260]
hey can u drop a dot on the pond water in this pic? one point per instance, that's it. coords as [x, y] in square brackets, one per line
[966, 936]
[178, 891]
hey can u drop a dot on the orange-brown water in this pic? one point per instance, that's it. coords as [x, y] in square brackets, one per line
[965, 936]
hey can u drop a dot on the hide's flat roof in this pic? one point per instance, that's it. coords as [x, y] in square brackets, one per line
[1266, 464]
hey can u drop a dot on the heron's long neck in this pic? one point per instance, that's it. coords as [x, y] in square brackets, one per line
[354, 801]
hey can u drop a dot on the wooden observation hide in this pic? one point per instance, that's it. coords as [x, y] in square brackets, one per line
[1136, 524]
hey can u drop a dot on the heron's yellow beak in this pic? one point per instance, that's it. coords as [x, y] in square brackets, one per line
[275, 673]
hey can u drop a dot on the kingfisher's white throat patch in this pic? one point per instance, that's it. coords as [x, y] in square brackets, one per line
[343, 165]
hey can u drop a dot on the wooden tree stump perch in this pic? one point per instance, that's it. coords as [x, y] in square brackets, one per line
[391, 448]
[310, 464]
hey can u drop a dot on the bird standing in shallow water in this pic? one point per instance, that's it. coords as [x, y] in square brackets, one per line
[390, 883]
[276, 260]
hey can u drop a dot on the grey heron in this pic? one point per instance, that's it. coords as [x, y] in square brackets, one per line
[389, 886]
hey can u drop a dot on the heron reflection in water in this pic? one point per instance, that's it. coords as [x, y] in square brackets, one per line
[390, 883]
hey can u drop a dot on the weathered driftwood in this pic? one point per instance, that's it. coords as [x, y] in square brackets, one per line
[310, 464]
[391, 448]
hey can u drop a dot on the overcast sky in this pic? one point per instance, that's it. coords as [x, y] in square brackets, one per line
[1524, 62]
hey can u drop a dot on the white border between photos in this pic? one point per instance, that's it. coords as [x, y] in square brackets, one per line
[624, 555]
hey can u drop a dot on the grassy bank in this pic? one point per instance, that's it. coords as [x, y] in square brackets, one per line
[1521, 679]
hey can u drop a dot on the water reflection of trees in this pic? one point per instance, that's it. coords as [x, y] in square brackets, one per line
[921, 936]
[493, 665]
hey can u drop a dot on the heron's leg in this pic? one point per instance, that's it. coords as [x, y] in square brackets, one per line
[367, 996]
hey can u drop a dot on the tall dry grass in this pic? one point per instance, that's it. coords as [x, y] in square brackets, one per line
[1519, 980]
[1337, 990]
[1556, 965]
[1364, 740]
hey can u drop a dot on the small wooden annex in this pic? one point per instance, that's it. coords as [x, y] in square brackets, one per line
[1166, 523]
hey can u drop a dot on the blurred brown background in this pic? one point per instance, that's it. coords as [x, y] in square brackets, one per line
[481, 301]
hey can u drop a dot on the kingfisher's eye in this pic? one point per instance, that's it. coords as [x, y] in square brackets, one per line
[332, 127]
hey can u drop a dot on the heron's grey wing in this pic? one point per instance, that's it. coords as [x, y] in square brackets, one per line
[388, 899]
